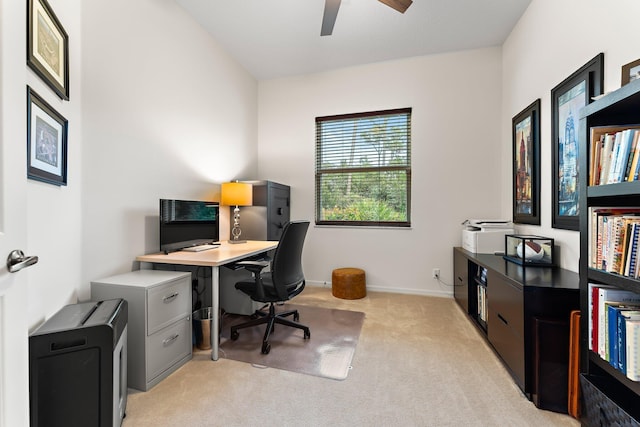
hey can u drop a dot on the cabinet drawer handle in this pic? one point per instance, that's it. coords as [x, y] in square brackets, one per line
[503, 319]
[170, 340]
[168, 298]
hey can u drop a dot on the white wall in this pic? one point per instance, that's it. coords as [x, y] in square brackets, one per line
[166, 114]
[551, 41]
[456, 166]
[54, 213]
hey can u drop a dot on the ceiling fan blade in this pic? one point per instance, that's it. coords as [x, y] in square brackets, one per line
[399, 5]
[329, 18]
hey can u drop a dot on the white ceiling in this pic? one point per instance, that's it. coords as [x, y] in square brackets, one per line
[277, 38]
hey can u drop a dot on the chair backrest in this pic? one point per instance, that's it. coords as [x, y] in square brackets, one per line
[286, 267]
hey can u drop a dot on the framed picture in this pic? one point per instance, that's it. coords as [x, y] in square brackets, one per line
[630, 72]
[46, 141]
[567, 99]
[48, 47]
[526, 165]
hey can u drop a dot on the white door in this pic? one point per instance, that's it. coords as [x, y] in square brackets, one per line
[14, 372]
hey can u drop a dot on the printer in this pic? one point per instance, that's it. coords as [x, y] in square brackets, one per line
[485, 236]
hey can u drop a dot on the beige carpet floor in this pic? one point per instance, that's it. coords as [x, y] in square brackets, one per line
[419, 362]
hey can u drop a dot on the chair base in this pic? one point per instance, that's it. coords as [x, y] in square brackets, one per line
[270, 319]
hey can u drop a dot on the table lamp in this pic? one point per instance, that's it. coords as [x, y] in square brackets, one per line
[236, 194]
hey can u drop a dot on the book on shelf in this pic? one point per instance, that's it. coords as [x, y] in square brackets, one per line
[633, 350]
[595, 156]
[614, 240]
[592, 319]
[624, 160]
[618, 154]
[614, 339]
[631, 262]
[633, 156]
[614, 327]
[614, 154]
[481, 274]
[624, 353]
[482, 303]
[607, 296]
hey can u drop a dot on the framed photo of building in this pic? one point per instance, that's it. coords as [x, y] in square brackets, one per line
[46, 141]
[567, 99]
[48, 47]
[526, 165]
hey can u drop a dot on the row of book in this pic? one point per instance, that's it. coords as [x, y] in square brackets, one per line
[614, 327]
[615, 155]
[482, 303]
[614, 240]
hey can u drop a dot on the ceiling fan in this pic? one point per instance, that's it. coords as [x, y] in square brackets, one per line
[331, 12]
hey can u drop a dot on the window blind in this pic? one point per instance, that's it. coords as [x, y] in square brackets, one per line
[363, 168]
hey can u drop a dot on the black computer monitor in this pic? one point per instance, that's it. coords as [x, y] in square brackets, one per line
[185, 223]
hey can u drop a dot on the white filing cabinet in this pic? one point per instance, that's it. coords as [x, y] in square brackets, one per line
[160, 339]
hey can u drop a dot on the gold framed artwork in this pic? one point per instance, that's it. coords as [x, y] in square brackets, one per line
[48, 47]
[630, 72]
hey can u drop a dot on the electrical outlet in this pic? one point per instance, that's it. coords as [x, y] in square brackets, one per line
[436, 273]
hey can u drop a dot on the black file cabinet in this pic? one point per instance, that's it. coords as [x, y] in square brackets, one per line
[265, 219]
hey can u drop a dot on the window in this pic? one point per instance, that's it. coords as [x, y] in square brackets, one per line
[363, 169]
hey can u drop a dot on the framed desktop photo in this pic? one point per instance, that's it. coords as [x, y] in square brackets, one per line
[48, 47]
[526, 165]
[630, 72]
[567, 99]
[46, 141]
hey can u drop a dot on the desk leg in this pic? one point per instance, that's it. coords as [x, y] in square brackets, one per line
[215, 312]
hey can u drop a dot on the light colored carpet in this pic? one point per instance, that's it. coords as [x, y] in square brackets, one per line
[328, 353]
[419, 362]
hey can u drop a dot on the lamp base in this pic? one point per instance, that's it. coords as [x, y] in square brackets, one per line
[236, 241]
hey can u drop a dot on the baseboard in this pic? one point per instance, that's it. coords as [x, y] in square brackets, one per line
[426, 292]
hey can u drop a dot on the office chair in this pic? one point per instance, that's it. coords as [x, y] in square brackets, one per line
[283, 282]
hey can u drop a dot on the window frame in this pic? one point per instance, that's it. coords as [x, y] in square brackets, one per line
[319, 172]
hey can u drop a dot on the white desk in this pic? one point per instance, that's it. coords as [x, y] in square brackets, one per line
[213, 258]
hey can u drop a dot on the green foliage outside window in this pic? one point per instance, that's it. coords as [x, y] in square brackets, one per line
[363, 169]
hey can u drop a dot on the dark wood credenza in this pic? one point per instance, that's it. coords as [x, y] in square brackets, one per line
[525, 318]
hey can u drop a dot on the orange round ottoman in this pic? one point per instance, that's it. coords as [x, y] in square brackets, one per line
[348, 283]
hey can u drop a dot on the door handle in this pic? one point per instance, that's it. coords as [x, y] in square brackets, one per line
[16, 261]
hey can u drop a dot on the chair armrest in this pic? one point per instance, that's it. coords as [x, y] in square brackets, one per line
[253, 266]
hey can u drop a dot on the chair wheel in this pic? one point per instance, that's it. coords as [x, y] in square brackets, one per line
[307, 335]
[234, 335]
[266, 348]
[296, 317]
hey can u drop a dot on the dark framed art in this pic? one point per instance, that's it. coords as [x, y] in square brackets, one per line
[526, 165]
[630, 72]
[48, 47]
[46, 141]
[567, 99]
